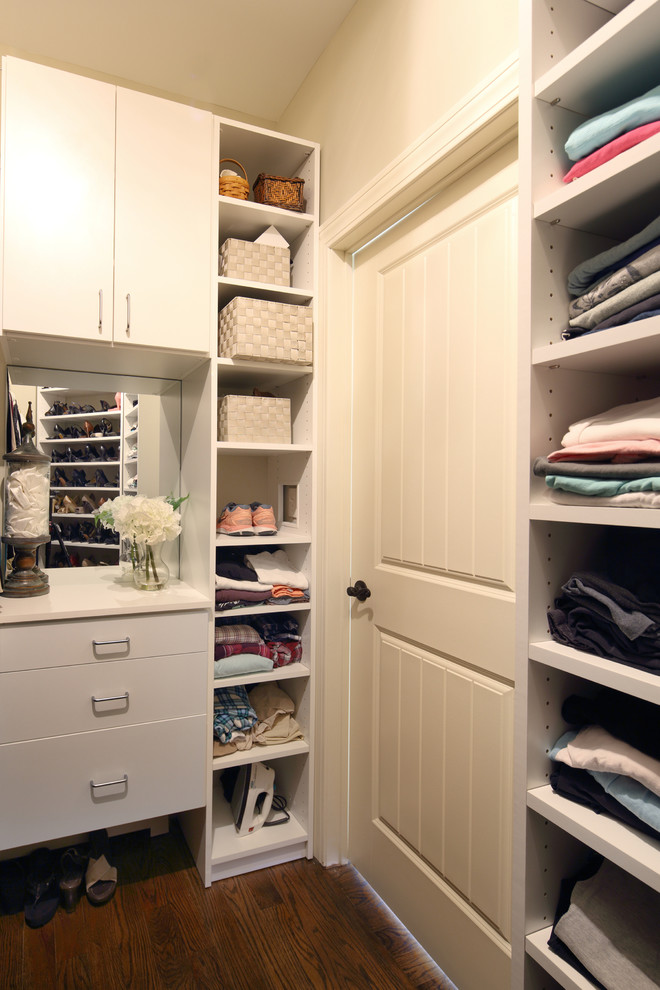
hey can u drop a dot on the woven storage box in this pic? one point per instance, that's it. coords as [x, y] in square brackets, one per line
[276, 190]
[255, 262]
[254, 419]
[262, 330]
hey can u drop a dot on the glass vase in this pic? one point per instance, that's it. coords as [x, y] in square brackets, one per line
[151, 572]
[128, 559]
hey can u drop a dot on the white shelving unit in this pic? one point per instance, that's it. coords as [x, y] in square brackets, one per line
[130, 443]
[48, 425]
[578, 59]
[248, 472]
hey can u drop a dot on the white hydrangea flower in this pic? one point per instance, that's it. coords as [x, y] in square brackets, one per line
[141, 519]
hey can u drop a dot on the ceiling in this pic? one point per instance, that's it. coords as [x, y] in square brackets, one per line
[250, 56]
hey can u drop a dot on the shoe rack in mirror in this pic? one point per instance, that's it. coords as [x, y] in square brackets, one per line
[106, 435]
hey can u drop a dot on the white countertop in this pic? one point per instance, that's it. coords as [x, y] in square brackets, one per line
[82, 592]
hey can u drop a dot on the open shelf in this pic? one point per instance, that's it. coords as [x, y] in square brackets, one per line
[290, 671]
[232, 854]
[632, 851]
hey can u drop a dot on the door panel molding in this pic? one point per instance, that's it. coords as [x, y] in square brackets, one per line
[467, 717]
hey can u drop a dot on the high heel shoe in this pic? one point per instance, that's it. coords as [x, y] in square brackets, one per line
[88, 504]
[87, 409]
[88, 429]
[100, 479]
[57, 409]
[103, 429]
[104, 405]
[57, 456]
[72, 871]
[59, 478]
[69, 505]
[79, 478]
[107, 453]
[74, 408]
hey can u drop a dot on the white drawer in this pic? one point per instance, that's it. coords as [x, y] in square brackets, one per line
[33, 645]
[46, 784]
[61, 700]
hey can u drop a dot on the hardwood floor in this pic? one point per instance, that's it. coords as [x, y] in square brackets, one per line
[290, 927]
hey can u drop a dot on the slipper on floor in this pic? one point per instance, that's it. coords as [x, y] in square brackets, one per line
[101, 875]
[42, 893]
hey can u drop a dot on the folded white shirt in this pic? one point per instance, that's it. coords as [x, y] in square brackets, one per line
[277, 569]
[632, 421]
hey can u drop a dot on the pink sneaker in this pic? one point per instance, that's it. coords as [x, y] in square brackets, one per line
[263, 519]
[235, 520]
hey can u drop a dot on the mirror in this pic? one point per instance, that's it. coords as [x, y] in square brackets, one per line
[107, 435]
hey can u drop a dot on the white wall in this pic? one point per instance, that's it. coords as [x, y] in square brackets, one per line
[393, 68]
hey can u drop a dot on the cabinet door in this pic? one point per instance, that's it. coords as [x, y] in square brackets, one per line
[162, 223]
[58, 199]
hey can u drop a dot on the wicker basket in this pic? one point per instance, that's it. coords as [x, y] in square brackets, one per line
[234, 185]
[255, 262]
[264, 330]
[275, 190]
[254, 419]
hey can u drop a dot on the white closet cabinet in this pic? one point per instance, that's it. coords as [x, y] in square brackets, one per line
[58, 149]
[107, 211]
[163, 211]
[578, 59]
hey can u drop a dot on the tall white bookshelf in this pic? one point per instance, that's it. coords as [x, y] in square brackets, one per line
[281, 474]
[578, 59]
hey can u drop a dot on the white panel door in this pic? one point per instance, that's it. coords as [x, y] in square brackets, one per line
[58, 155]
[163, 223]
[432, 649]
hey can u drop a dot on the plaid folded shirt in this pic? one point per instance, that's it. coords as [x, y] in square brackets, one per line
[240, 633]
[232, 712]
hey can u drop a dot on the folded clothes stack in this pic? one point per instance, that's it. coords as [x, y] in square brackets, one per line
[610, 759]
[617, 286]
[240, 648]
[609, 459]
[602, 138]
[606, 927]
[259, 578]
[263, 716]
[599, 616]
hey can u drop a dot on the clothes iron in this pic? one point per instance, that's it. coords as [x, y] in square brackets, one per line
[252, 797]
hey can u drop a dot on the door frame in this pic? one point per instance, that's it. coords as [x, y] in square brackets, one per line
[468, 134]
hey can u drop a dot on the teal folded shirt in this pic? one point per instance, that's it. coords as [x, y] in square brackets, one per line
[602, 486]
[597, 131]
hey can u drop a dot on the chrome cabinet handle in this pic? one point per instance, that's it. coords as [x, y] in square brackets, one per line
[112, 642]
[100, 310]
[128, 312]
[114, 697]
[110, 783]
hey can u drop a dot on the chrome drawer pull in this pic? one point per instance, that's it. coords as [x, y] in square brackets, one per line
[114, 697]
[111, 783]
[112, 642]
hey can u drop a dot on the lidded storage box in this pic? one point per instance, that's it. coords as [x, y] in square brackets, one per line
[254, 419]
[255, 262]
[263, 330]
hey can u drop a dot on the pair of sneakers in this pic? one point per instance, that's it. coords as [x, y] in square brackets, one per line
[255, 519]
